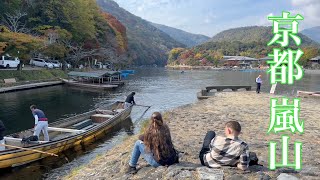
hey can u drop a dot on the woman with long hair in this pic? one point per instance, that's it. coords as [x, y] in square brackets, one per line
[155, 145]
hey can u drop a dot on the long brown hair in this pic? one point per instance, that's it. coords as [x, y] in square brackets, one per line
[157, 138]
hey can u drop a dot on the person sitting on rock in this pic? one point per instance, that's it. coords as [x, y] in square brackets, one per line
[225, 151]
[155, 145]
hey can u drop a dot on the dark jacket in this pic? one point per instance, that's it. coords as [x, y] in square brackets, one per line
[39, 113]
[130, 99]
[2, 129]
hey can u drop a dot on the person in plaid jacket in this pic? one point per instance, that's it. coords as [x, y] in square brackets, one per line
[225, 151]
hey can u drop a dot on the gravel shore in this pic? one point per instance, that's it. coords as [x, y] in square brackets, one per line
[190, 123]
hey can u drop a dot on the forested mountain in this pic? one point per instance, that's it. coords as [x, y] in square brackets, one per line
[253, 34]
[73, 29]
[312, 33]
[244, 41]
[181, 36]
[146, 43]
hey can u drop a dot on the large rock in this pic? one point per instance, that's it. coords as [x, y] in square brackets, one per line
[284, 176]
[180, 171]
[310, 171]
[237, 177]
[209, 174]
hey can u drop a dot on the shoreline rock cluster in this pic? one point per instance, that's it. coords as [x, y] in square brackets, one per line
[188, 125]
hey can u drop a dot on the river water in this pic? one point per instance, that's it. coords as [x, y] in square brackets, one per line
[157, 87]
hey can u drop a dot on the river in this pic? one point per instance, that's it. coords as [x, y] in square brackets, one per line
[159, 88]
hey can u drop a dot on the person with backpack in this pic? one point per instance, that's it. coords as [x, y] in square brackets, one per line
[220, 151]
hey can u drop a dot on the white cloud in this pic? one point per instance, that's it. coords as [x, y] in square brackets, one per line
[263, 21]
[309, 9]
[303, 2]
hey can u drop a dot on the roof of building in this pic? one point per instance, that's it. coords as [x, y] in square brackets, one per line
[266, 58]
[93, 74]
[239, 58]
[315, 58]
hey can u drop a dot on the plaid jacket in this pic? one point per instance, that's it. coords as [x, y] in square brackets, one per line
[227, 152]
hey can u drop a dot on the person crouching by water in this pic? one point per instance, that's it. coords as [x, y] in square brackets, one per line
[130, 100]
[259, 82]
[225, 151]
[155, 145]
[41, 122]
[2, 129]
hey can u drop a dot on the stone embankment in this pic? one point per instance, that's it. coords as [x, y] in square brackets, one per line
[188, 126]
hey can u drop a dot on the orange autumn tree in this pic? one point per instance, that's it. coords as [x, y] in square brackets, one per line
[120, 31]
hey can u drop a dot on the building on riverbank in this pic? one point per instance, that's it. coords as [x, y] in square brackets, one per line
[241, 61]
[315, 61]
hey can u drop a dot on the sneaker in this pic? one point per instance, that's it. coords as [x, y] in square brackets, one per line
[131, 170]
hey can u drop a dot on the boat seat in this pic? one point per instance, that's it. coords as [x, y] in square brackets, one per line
[119, 110]
[88, 127]
[82, 124]
[104, 112]
[99, 118]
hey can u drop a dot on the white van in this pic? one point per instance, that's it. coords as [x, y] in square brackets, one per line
[9, 62]
[40, 63]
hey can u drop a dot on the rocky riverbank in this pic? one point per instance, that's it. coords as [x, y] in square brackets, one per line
[188, 126]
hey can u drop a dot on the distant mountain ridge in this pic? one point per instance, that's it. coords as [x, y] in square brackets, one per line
[254, 34]
[189, 39]
[147, 44]
[313, 33]
[244, 41]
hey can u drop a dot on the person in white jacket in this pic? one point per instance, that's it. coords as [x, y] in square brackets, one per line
[259, 82]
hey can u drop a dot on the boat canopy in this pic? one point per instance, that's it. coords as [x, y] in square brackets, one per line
[94, 74]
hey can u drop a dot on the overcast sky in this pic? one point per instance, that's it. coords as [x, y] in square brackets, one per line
[209, 17]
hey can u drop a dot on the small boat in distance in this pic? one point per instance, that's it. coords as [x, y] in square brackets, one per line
[71, 132]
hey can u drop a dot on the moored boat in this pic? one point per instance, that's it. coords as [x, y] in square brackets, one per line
[72, 132]
[87, 85]
[94, 79]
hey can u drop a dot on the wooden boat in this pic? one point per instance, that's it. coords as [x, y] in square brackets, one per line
[308, 94]
[72, 132]
[88, 85]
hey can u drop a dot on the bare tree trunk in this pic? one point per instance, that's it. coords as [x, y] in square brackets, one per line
[13, 21]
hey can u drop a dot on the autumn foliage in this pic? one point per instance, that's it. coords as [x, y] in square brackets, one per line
[120, 31]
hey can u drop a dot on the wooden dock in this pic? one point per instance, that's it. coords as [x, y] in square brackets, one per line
[29, 86]
[205, 93]
[314, 94]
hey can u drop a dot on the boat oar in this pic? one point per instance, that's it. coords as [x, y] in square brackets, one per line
[28, 149]
[148, 107]
[142, 105]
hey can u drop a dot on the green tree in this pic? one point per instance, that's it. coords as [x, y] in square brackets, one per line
[309, 53]
[19, 44]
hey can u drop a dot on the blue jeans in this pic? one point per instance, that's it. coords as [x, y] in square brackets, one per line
[139, 149]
